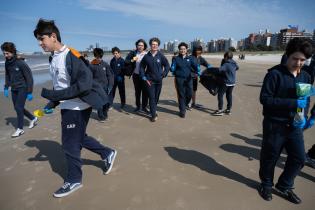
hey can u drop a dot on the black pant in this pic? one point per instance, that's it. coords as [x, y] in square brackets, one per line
[277, 136]
[223, 89]
[122, 93]
[74, 137]
[19, 98]
[140, 88]
[184, 90]
[311, 152]
[153, 91]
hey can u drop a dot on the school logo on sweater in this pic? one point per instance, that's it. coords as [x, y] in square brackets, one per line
[70, 126]
[158, 60]
[118, 65]
[17, 69]
[104, 68]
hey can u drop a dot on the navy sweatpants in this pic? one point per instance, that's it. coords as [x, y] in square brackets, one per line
[276, 137]
[74, 137]
[223, 89]
[184, 89]
[122, 91]
[153, 91]
[140, 89]
[19, 98]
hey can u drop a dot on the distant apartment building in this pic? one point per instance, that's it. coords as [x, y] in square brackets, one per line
[171, 46]
[289, 33]
[198, 42]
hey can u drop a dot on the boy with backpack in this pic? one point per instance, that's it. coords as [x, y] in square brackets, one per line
[76, 92]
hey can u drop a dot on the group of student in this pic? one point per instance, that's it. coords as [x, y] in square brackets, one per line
[80, 86]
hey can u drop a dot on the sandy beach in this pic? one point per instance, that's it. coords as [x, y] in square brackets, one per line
[198, 163]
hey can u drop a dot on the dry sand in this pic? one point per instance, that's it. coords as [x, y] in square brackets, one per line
[201, 162]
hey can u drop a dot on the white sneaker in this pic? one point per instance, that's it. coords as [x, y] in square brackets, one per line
[17, 133]
[33, 123]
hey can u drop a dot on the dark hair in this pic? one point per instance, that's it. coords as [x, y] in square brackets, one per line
[182, 44]
[9, 47]
[98, 52]
[155, 39]
[299, 45]
[144, 43]
[195, 49]
[115, 49]
[46, 27]
[228, 55]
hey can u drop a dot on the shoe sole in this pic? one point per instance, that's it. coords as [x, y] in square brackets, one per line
[217, 114]
[111, 165]
[18, 135]
[68, 193]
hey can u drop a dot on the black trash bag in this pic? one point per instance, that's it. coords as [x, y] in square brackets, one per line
[211, 80]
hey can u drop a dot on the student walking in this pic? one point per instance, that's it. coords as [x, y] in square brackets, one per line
[153, 68]
[19, 77]
[228, 71]
[117, 64]
[132, 62]
[77, 93]
[182, 66]
[280, 102]
[103, 75]
[196, 53]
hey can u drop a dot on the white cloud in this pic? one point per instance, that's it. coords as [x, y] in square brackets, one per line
[197, 13]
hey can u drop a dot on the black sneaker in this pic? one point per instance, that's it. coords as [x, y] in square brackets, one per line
[145, 110]
[227, 112]
[154, 119]
[265, 193]
[188, 107]
[182, 115]
[289, 195]
[309, 161]
[109, 162]
[218, 113]
[67, 189]
[122, 106]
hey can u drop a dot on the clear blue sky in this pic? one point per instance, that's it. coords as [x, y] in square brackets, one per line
[114, 22]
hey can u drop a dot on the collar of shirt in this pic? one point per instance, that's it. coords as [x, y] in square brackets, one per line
[62, 49]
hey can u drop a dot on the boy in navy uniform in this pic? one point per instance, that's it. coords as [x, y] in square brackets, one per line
[280, 102]
[19, 77]
[103, 75]
[182, 66]
[117, 64]
[153, 68]
[76, 92]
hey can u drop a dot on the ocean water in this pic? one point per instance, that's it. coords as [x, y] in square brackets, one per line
[39, 65]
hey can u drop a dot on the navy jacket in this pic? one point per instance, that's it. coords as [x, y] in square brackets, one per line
[154, 68]
[82, 85]
[117, 66]
[278, 93]
[18, 75]
[184, 67]
[102, 73]
[228, 71]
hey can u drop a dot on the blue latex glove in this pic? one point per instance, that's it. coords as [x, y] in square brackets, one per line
[119, 79]
[6, 92]
[310, 122]
[300, 124]
[109, 89]
[29, 96]
[301, 103]
[144, 78]
[48, 111]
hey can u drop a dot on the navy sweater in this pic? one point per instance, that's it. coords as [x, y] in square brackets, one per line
[278, 93]
[228, 71]
[102, 73]
[117, 66]
[82, 85]
[154, 68]
[184, 67]
[18, 75]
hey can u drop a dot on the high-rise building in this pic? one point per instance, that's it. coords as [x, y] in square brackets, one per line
[289, 33]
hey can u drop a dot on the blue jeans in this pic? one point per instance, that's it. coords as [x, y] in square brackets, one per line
[19, 98]
[184, 88]
[74, 137]
[277, 136]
